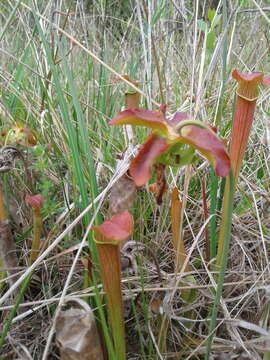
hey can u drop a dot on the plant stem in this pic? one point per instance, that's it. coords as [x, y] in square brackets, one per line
[213, 209]
[226, 218]
[177, 233]
[205, 210]
[37, 230]
[223, 252]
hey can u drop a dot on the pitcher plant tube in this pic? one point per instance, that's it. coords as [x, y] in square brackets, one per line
[246, 97]
[108, 237]
[36, 202]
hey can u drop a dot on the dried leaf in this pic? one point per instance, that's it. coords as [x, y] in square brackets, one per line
[161, 183]
[7, 249]
[7, 158]
[122, 195]
[156, 305]
[15, 211]
[76, 334]
[21, 134]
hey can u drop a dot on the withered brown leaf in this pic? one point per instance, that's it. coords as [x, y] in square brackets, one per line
[77, 335]
[122, 195]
